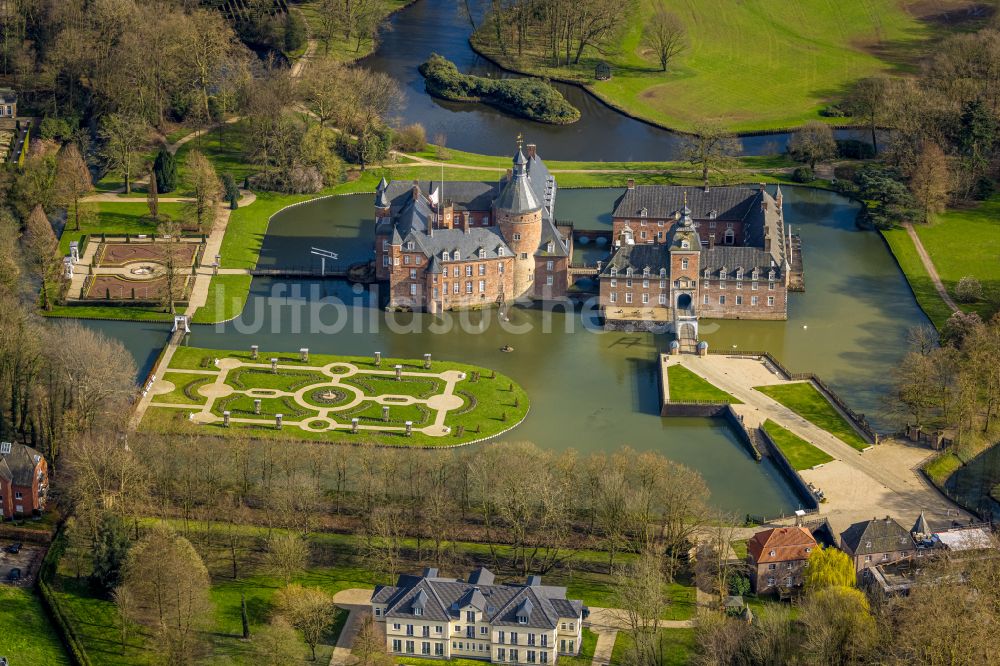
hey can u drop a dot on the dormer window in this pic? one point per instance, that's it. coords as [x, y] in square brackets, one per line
[770, 274]
[409, 245]
[722, 273]
[643, 212]
[663, 272]
[457, 255]
[614, 271]
[500, 251]
[645, 272]
[712, 214]
[522, 619]
[551, 247]
[772, 553]
[708, 273]
[445, 256]
[739, 273]
[418, 611]
[685, 245]
[482, 253]
[628, 271]
[755, 274]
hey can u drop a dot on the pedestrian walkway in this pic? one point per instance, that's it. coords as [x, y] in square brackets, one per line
[882, 480]
[925, 259]
[356, 602]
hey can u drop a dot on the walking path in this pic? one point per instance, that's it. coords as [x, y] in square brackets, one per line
[882, 480]
[356, 602]
[925, 259]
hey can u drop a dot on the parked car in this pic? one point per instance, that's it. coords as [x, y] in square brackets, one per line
[14, 549]
[13, 576]
[3, 661]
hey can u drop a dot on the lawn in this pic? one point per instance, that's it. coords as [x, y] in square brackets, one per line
[920, 282]
[966, 241]
[800, 453]
[806, 400]
[27, 636]
[340, 48]
[186, 387]
[587, 644]
[803, 56]
[227, 296]
[223, 146]
[941, 467]
[686, 386]
[118, 218]
[679, 645]
[492, 403]
[118, 312]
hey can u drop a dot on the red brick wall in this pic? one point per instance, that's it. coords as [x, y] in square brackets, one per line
[486, 270]
[559, 274]
[760, 575]
[622, 288]
[652, 228]
[713, 289]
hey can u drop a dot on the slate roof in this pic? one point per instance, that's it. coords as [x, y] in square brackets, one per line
[734, 257]
[519, 195]
[921, 526]
[18, 466]
[531, 187]
[664, 202]
[467, 244]
[443, 599]
[787, 544]
[638, 257]
[879, 535]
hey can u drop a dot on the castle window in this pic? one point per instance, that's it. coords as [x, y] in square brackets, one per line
[501, 252]
[707, 274]
[500, 268]
[663, 272]
[454, 288]
[468, 287]
[753, 301]
[550, 247]
[722, 273]
[642, 235]
[739, 273]
[385, 245]
[413, 290]
[482, 269]
[444, 255]
[406, 259]
[549, 265]
[517, 237]
[457, 255]
[770, 301]
[722, 299]
[770, 286]
[628, 283]
[712, 214]
[684, 264]
[614, 282]
[628, 271]
[614, 271]
[755, 274]
[614, 296]
[645, 272]
[659, 223]
[705, 299]
[482, 253]
[413, 273]
[645, 284]
[730, 237]
[685, 245]
[663, 299]
[739, 285]
[468, 270]
[770, 274]
[663, 284]
[628, 297]
[549, 280]
[645, 299]
[739, 300]
[644, 212]
[482, 286]
[753, 286]
[409, 245]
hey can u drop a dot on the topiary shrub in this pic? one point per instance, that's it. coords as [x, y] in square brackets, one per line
[969, 290]
[803, 174]
[165, 170]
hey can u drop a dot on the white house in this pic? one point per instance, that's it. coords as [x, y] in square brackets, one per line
[434, 617]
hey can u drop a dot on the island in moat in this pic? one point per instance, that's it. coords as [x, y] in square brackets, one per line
[342, 399]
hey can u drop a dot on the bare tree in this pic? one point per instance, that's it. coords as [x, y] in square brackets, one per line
[640, 602]
[286, 556]
[870, 99]
[73, 181]
[665, 36]
[711, 148]
[369, 646]
[123, 137]
[813, 143]
[308, 609]
[205, 189]
[931, 180]
[42, 250]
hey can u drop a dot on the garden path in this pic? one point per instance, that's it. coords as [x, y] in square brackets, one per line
[925, 259]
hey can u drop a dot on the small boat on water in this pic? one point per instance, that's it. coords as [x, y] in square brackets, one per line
[506, 348]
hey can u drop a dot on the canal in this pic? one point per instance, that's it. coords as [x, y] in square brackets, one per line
[602, 134]
[590, 390]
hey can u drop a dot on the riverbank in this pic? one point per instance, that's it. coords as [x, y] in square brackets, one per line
[783, 45]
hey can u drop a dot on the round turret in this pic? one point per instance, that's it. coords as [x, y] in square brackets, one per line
[518, 213]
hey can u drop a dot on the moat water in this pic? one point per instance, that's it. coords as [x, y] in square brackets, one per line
[590, 390]
[444, 26]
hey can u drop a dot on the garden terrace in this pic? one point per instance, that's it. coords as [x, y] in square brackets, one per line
[338, 399]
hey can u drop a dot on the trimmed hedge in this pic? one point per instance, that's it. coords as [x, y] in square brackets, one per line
[51, 602]
[531, 98]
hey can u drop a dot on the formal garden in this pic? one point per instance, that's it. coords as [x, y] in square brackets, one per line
[343, 399]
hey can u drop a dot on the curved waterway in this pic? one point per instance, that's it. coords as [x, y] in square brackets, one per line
[590, 390]
[602, 134]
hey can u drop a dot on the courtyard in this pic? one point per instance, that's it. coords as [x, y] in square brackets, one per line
[345, 399]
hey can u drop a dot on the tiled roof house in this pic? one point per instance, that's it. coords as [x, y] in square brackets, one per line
[777, 557]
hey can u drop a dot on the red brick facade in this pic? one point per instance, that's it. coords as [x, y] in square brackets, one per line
[23, 481]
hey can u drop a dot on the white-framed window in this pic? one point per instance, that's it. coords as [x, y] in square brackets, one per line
[501, 251]
[550, 265]
[409, 245]
[663, 284]
[468, 270]
[500, 268]
[613, 297]
[663, 299]
[413, 273]
[722, 299]
[413, 290]
[614, 282]
[482, 269]
[386, 261]
[458, 255]
[739, 300]
[770, 286]
[770, 301]
[628, 297]
[753, 301]
[482, 253]
[517, 237]
[642, 234]
[739, 285]
[684, 264]
[753, 286]
[482, 286]
[705, 299]
[645, 284]
[468, 287]
[385, 245]
[455, 288]
[548, 280]
[397, 645]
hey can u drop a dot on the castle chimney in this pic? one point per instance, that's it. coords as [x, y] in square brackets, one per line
[767, 241]
[711, 240]
[416, 190]
[510, 174]
[630, 184]
[465, 223]
[532, 148]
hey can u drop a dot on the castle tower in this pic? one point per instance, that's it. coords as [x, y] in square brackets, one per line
[381, 199]
[518, 213]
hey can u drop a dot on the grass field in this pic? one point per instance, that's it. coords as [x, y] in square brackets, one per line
[920, 281]
[800, 453]
[227, 295]
[963, 242]
[686, 386]
[118, 218]
[26, 635]
[805, 400]
[678, 647]
[941, 467]
[754, 64]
